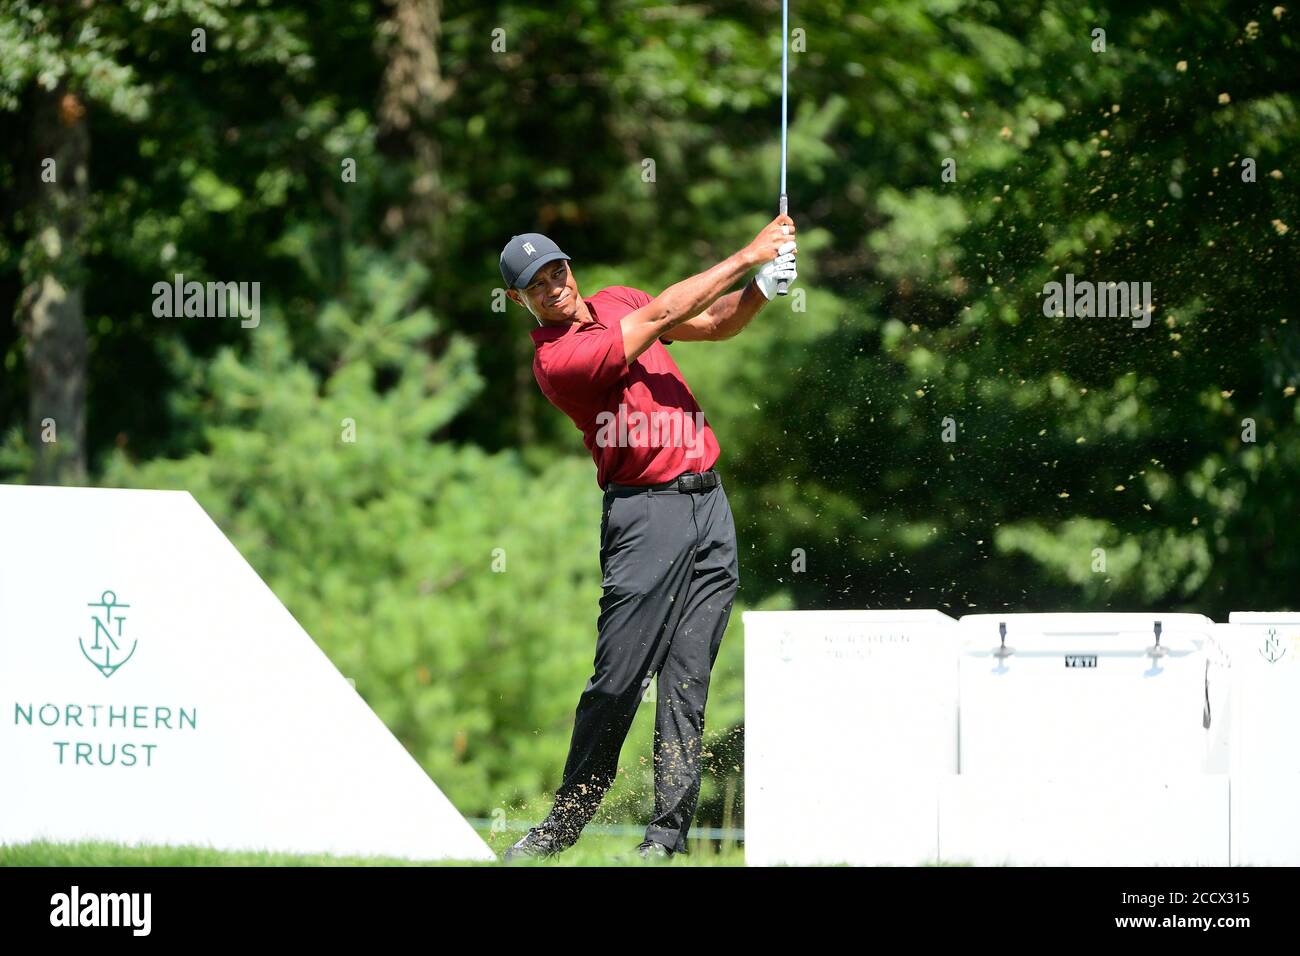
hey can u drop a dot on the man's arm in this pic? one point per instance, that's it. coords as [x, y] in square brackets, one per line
[725, 318]
[685, 300]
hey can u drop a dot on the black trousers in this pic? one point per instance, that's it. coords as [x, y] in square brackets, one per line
[670, 576]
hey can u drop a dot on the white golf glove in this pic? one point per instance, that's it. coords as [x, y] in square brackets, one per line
[782, 267]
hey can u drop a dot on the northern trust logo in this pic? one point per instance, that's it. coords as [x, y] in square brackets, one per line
[106, 650]
[118, 734]
[1272, 651]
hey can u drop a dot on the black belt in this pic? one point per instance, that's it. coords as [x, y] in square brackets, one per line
[689, 483]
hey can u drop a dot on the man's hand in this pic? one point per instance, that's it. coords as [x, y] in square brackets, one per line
[782, 267]
[685, 300]
[767, 244]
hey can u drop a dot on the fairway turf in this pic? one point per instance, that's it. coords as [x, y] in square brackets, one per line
[590, 851]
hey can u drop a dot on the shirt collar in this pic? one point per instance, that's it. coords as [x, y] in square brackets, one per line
[549, 333]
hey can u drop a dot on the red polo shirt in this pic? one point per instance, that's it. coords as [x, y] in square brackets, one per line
[641, 423]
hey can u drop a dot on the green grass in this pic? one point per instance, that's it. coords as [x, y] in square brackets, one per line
[593, 850]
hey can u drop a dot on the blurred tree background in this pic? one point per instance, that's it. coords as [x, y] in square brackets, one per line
[948, 158]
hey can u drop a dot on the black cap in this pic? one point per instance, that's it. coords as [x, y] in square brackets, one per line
[524, 255]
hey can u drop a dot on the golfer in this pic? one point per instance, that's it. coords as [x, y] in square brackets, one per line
[667, 540]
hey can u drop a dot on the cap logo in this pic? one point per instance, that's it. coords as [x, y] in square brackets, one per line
[528, 248]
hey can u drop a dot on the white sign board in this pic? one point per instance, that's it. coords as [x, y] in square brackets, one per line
[154, 690]
[850, 724]
[1265, 752]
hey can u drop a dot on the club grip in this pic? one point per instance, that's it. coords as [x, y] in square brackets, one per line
[782, 286]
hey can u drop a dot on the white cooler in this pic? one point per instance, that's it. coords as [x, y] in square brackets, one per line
[1089, 739]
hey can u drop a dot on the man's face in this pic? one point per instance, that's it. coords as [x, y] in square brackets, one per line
[552, 294]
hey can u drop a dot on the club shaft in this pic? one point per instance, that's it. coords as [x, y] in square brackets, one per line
[785, 80]
[782, 286]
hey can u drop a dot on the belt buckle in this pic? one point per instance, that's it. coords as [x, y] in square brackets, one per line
[690, 483]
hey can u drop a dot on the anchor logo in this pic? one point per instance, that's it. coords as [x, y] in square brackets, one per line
[1272, 651]
[104, 628]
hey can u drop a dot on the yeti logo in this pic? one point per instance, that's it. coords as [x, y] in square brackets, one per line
[529, 248]
[104, 627]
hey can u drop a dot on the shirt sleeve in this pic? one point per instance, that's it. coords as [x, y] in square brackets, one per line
[588, 359]
[635, 298]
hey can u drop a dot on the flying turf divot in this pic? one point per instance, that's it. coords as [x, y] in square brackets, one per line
[154, 690]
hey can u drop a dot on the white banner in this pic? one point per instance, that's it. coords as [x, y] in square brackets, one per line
[1265, 752]
[154, 690]
[850, 725]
